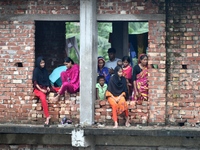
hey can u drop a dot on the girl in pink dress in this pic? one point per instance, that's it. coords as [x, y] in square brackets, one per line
[127, 73]
[70, 78]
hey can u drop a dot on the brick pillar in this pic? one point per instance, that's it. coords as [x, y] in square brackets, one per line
[157, 73]
[183, 47]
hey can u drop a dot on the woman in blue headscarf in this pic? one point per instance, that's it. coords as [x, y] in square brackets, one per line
[103, 71]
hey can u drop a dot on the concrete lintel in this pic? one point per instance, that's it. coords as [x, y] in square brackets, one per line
[42, 17]
[130, 17]
[76, 17]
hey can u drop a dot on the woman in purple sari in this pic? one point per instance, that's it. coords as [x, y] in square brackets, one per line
[104, 71]
[140, 80]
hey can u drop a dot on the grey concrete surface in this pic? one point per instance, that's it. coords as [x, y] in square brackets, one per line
[88, 60]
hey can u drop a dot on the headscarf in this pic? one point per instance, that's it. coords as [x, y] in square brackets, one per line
[139, 61]
[40, 75]
[101, 58]
[117, 85]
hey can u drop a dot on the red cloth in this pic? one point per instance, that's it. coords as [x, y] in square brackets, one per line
[56, 89]
[42, 97]
[127, 72]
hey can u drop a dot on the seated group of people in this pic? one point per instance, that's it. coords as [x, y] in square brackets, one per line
[115, 82]
[41, 84]
[122, 83]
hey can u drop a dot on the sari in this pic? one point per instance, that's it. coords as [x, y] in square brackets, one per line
[127, 73]
[142, 86]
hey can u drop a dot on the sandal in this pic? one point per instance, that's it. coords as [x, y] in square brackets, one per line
[46, 125]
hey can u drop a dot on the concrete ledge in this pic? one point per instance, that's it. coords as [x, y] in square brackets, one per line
[107, 136]
[108, 130]
[145, 131]
[33, 129]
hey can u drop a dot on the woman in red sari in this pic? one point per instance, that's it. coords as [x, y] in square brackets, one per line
[140, 80]
[70, 78]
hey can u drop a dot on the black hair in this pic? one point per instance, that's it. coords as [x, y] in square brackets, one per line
[100, 77]
[127, 58]
[111, 50]
[68, 59]
[143, 56]
[117, 68]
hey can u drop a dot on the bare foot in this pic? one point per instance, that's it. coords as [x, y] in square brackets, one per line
[127, 124]
[47, 120]
[116, 125]
[46, 124]
[56, 98]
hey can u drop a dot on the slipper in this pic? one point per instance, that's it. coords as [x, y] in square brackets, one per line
[46, 125]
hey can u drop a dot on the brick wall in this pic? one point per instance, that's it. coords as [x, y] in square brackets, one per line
[130, 7]
[183, 47]
[67, 106]
[20, 100]
[21, 7]
[157, 75]
[16, 45]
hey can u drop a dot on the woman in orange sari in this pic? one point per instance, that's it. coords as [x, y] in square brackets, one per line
[140, 80]
[116, 94]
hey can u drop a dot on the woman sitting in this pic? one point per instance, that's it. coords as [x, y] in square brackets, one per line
[140, 80]
[41, 85]
[70, 78]
[117, 94]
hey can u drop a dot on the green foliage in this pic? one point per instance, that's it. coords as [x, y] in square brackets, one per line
[73, 29]
[104, 29]
[138, 27]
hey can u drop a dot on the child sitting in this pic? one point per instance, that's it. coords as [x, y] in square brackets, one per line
[101, 88]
